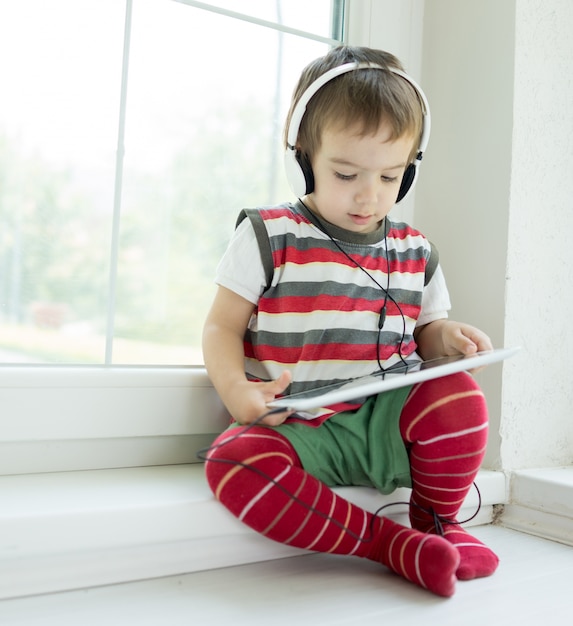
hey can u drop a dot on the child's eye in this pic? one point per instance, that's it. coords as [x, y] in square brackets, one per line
[344, 176]
[389, 179]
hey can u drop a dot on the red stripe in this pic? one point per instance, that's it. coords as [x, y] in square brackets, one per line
[279, 212]
[320, 302]
[334, 304]
[292, 255]
[325, 352]
[403, 233]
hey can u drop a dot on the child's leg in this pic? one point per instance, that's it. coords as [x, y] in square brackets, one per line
[444, 423]
[258, 477]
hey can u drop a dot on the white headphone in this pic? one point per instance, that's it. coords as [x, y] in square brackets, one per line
[299, 173]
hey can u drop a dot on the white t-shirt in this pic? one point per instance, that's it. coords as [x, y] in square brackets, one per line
[241, 271]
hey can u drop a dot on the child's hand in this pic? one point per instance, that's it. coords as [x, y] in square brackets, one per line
[448, 338]
[223, 349]
[461, 338]
[249, 401]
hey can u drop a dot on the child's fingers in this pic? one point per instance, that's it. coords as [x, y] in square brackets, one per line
[276, 387]
[476, 340]
[282, 382]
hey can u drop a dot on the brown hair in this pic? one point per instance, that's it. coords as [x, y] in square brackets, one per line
[367, 97]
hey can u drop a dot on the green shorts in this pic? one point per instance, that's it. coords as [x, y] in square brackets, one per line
[362, 447]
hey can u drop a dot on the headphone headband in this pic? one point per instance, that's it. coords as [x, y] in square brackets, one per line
[300, 175]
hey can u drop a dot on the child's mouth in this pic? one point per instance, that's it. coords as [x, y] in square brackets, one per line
[361, 220]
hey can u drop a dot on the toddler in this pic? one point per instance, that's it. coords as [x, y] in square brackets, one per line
[328, 288]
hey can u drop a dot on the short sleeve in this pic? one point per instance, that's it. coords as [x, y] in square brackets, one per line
[435, 299]
[241, 268]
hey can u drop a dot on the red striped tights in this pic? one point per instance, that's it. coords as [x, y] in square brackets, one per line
[444, 426]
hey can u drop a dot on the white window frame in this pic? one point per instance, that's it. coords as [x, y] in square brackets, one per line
[78, 418]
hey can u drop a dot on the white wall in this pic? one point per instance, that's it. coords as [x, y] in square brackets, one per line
[537, 427]
[463, 196]
[500, 81]
[496, 191]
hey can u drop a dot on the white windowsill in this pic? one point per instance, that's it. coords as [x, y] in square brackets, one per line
[82, 529]
[57, 419]
[69, 521]
[541, 503]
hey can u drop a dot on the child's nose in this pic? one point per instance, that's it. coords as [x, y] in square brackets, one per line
[368, 192]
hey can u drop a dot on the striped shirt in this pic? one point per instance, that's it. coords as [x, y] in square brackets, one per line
[319, 298]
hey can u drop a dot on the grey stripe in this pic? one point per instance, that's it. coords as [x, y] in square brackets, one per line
[352, 291]
[326, 336]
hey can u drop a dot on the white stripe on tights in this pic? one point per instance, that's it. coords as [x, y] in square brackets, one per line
[261, 493]
[459, 433]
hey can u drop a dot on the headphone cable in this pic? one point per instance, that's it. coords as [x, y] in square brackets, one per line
[438, 520]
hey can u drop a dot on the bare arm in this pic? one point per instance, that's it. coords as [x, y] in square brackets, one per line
[446, 337]
[223, 335]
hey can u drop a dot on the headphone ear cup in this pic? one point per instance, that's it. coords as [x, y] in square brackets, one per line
[407, 181]
[299, 173]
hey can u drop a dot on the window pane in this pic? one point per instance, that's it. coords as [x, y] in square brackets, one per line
[206, 100]
[60, 64]
[203, 138]
[314, 16]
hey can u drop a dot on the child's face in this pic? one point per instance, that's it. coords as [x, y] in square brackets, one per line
[357, 178]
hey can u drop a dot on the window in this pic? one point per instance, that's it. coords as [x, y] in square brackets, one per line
[131, 135]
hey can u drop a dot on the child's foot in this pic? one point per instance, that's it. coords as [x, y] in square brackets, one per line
[426, 560]
[476, 559]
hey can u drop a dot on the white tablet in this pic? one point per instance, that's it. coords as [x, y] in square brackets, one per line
[376, 383]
